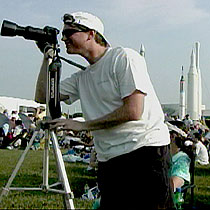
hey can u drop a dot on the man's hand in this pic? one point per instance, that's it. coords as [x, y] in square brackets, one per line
[43, 46]
[66, 124]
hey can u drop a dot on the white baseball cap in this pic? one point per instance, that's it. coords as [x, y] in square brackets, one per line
[86, 19]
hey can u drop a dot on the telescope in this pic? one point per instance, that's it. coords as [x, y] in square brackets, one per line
[47, 34]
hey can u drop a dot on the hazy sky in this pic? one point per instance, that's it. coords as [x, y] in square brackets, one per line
[167, 28]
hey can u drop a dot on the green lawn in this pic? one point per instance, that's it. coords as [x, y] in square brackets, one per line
[202, 189]
[30, 175]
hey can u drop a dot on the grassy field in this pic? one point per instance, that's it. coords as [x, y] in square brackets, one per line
[30, 175]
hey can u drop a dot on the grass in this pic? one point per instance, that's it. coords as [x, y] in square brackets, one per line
[30, 175]
[202, 189]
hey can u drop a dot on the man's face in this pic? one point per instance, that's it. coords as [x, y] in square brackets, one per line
[74, 39]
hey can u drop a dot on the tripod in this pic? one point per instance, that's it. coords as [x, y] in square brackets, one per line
[53, 111]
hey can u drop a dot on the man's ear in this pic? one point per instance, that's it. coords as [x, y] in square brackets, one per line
[91, 34]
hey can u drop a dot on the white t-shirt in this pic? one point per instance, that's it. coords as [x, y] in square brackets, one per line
[202, 156]
[101, 88]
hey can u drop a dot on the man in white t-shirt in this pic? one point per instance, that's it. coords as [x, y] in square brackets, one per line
[202, 156]
[187, 121]
[123, 113]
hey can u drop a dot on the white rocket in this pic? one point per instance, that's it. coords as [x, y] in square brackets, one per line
[182, 96]
[197, 48]
[194, 86]
[194, 90]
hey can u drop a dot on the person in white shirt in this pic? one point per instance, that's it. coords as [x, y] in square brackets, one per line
[201, 151]
[187, 121]
[123, 113]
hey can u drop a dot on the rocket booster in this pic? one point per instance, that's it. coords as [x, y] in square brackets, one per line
[192, 93]
[182, 97]
[197, 49]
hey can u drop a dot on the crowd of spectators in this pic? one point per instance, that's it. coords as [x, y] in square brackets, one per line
[15, 127]
[195, 134]
[189, 147]
[16, 130]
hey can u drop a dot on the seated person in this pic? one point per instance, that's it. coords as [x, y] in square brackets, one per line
[39, 114]
[17, 135]
[18, 128]
[202, 156]
[180, 169]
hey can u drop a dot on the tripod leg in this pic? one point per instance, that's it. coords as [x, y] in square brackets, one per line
[46, 161]
[62, 173]
[15, 171]
[58, 170]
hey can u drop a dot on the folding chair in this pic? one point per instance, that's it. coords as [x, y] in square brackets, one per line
[190, 186]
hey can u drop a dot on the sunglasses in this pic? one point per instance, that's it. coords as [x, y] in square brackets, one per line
[69, 32]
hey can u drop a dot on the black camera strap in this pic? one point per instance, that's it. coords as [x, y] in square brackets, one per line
[73, 63]
[54, 88]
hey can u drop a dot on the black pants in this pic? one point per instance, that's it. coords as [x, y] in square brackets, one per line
[137, 180]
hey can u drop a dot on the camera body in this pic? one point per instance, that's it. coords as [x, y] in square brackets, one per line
[47, 34]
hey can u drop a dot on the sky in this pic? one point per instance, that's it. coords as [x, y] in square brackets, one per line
[168, 29]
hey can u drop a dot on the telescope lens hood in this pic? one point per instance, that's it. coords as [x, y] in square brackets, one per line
[8, 28]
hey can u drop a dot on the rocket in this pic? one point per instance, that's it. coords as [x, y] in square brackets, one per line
[182, 96]
[194, 96]
[197, 48]
[142, 50]
[192, 89]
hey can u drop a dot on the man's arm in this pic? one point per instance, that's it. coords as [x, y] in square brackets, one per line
[131, 109]
[41, 85]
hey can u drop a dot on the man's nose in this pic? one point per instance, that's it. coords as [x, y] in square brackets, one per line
[64, 38]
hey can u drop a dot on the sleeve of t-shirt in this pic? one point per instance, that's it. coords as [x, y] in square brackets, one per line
[131, 73]
[69, 87]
